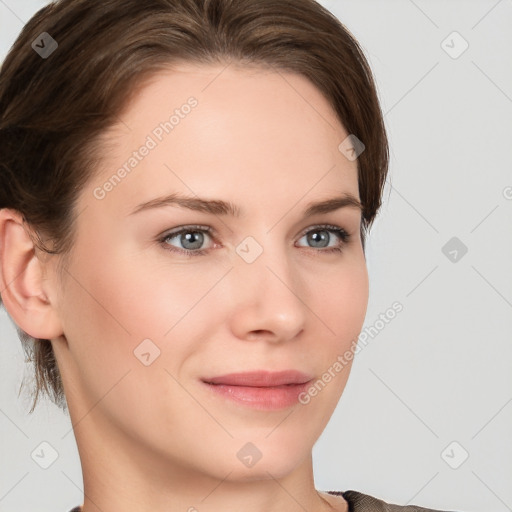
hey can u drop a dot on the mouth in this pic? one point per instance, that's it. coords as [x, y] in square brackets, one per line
[260, 389]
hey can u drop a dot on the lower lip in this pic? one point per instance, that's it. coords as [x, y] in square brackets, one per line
[264, 398]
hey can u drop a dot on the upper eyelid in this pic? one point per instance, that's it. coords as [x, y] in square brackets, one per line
[209, 229]
[213, 233]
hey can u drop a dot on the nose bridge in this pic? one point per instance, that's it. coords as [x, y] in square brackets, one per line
[268, 287]
[265, 259]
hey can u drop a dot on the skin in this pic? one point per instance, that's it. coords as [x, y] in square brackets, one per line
[153, 437]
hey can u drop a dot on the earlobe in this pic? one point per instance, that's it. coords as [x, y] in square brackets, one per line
[22, 280]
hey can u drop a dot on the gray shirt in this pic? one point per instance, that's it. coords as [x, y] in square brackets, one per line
[359, 502]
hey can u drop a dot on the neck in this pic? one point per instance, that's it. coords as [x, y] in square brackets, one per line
[119, 474]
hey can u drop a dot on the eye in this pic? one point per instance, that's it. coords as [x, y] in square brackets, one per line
[191, 239]
[320, 236]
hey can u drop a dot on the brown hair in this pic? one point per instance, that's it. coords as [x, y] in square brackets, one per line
[54, 110]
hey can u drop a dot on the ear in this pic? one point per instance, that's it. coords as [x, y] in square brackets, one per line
[22, 280]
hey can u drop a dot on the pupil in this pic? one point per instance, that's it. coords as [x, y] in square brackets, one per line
[189, 237]
[323, 236]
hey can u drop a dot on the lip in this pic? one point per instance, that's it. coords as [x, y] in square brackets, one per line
[261, 378]
[262, 390]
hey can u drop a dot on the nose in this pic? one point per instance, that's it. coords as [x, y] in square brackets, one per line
[268, 298]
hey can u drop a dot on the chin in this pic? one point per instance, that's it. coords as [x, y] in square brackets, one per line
[264, 470]
[264, 459]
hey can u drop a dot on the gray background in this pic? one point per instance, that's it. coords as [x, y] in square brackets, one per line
[440, 372]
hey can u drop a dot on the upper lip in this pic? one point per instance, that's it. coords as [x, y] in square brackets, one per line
[261, 378]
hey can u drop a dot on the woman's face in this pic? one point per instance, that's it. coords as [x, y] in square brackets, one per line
[145, 325]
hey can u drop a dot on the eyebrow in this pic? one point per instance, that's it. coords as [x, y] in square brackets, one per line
[220, 207]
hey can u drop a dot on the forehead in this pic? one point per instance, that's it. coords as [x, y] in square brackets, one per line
[212, 129]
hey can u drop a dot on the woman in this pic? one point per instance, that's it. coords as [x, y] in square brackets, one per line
[186, 188]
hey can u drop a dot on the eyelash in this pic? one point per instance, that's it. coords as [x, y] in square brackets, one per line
[340, 232]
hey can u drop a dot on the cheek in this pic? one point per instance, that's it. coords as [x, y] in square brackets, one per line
[112, 305]
[340, 298]
[110, 312]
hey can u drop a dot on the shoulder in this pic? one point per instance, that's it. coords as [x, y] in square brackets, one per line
[359, 502]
